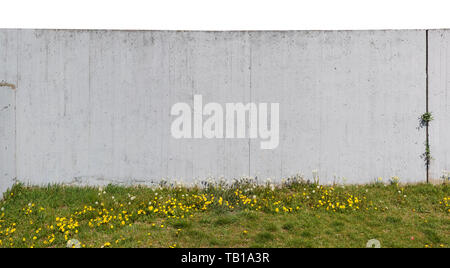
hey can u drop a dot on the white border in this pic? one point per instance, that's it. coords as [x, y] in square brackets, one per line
[225, 15]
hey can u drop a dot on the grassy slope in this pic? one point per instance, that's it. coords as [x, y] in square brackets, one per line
[398, 216]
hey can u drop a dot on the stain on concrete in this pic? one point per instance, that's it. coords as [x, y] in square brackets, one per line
[5, 84]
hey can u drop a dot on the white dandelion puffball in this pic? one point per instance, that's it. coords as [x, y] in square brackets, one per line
[373, 243]
[73, 243]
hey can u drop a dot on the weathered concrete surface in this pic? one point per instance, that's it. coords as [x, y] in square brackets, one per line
[439, 102]
[8, 82]
[349, 103]
[93, 107]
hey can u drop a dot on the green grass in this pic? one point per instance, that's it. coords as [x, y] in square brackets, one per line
[295, 215]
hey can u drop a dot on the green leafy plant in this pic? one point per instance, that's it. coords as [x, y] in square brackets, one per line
[425, 119]
[427, 154]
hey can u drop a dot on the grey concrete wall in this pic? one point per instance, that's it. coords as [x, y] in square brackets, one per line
[439, 103]
[349, 103]
[93, 107]
[8, 81]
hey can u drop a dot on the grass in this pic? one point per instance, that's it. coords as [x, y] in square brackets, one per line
[240, 215]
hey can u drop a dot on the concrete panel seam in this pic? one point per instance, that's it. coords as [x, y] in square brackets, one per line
[427, 141]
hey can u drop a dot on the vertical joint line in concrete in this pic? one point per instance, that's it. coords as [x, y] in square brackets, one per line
[89, 103]
[427, 109]
[15, 132]
[18, 35]
[250, 93]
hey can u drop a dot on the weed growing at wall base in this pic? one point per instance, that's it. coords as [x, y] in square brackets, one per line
[241, 214]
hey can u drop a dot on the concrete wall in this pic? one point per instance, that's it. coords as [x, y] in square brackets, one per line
[349, 103]
[439, 103]
[93, 107]
[8, 81]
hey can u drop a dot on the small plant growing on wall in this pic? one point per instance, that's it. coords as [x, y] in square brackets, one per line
[425, 119]
[445, 176]
[427, 154]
